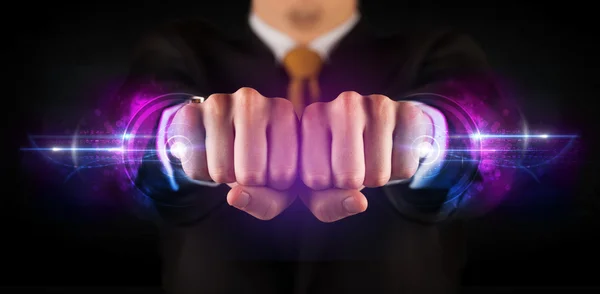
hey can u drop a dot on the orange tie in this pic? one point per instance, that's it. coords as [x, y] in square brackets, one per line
[303, 66]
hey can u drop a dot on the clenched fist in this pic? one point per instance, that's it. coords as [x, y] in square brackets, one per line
[251, 143]
[246, 141]
[354, 142]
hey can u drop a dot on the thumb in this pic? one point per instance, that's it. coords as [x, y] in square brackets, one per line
[261, 202]
[334, 204]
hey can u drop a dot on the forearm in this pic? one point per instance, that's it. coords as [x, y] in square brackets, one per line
[456, 81]
[178, 199]
[159, 69]
[436, 190]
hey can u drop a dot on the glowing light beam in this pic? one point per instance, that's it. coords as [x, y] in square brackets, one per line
[87, 149]
[515, 136]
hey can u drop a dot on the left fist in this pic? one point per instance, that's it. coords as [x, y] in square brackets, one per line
[354, 142]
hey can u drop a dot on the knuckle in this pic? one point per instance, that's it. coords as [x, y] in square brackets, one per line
[250, 103]
[282, 110]
[381, 107]
[408, 110]
[282, 106]
[313, 114]
[377, 99]
[349, 180]
[186, 113]
[250, 178]
[405, 172]
[348, 100]
[313, 110]
[376, 179]
[349, 95]
[217, 105]
[187, 119]
[248, 95]
[315, 181]
[198, 174]
[281, 178]
[222, 175]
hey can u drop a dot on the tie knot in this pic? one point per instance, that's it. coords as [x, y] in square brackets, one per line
[302, 63]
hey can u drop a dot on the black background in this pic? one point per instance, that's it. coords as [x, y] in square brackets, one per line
[536, 238]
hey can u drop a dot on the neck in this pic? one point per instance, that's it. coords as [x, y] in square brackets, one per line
[303, 23]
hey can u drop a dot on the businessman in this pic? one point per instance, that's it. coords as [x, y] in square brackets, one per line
[306, 167]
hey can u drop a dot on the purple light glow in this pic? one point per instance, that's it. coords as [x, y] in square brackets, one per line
[500, 144]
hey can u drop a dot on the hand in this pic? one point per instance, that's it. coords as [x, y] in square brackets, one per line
[354, 142]
[245, 140]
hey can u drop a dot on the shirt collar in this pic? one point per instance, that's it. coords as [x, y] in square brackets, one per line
[280, 44]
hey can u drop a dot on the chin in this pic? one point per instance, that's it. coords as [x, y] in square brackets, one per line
[305, 20]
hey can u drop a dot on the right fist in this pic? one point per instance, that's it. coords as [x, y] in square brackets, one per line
[245, 140]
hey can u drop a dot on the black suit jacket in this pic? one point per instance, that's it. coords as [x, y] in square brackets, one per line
[407, 241]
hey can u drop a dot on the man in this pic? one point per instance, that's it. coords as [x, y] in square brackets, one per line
[346, 140]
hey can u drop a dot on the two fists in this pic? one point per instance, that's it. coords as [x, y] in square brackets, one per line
[259, 147]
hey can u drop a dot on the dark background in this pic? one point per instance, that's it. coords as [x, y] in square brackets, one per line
[69, 55]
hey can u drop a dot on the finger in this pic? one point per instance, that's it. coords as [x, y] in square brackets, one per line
[315, 147]
[261, 202]
[408, 131]
[282, 140]
[219, 137]
[186, 142]
[334, 204]
[347, 119]
[250, 119]
[378, 140]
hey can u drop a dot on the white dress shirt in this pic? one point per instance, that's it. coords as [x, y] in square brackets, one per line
[280, 44]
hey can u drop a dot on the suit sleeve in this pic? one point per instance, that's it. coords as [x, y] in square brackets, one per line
[451, 73]
[163, 64]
